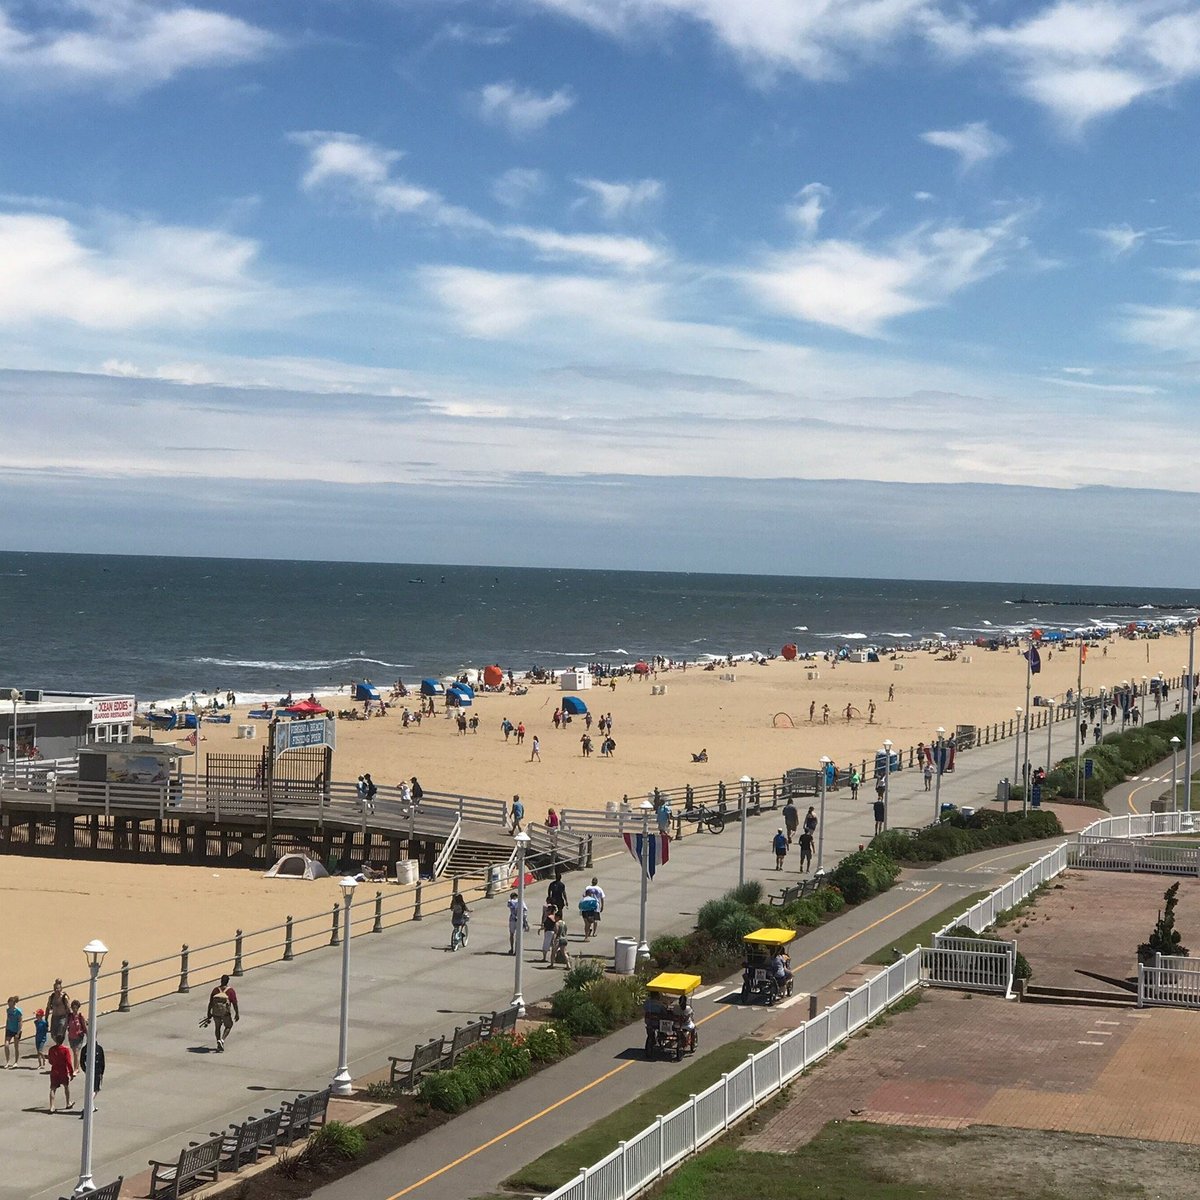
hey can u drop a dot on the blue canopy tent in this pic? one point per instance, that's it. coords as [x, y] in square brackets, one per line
[574, 706]
[460, 695]
[431, 687]
[366, 691]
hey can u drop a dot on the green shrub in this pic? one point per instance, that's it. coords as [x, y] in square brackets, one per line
[586, 971]
[831, 900]
[713, 912]
[578, 1014]
[864, 874]
[446, 1091]
[734, 926]
[334, 1142]
[547, 1043]
[668, 950]
[620, 1000]
[747, 894]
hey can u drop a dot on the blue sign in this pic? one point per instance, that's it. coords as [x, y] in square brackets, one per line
[1089, 768]
[300, 735]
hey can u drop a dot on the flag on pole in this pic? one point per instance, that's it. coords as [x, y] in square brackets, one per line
[658, 851]
[192, 738]
[1034, 659]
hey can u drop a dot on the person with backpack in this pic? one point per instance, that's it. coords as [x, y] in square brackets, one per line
[779, 844]
[591, 905]
[222, 1012]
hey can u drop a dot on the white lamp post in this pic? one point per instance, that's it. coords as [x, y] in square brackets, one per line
[342, 1085]
[825, 761]
[1175, 744]
[643, 950]
[518, 1000]
[1016, 752]
[1187, 733]
[94, 951]
[937, 773]
[887, 779]
[745, 783]
[15, 697]
[1049, 732]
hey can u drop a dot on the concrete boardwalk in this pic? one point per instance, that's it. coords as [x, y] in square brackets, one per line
[164, 1086]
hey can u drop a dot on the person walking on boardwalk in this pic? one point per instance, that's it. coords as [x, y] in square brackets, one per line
[58, 1010]
[880, 813]
[556, 894]
[222, 1011]
[62, 1071]
[779, 844]
[517, 812]
[855, 782]
[810, 820]
[806, 851]
[791, 818]
[518, 917]
[14, 1020]
[83, 1061]
[77, 1031]
[928, 774]
[549, 924]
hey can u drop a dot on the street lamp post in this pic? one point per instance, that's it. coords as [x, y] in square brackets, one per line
[15, 697]
[1016, 752]
[825, 761]
[1049, 733]
[887, 779]
[743, 801]
[518, 1001]
[1187, 733]
[94, 951]
[342, 1085]
[643, 950]
[938, 762]
[1175, 774]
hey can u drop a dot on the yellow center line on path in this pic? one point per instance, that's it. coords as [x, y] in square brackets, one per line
[1141, 788]
[587, 1087]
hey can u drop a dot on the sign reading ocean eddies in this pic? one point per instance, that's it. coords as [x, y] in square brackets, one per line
[112, 710]
[298, 735]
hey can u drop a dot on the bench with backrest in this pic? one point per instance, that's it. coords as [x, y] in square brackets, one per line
[243, 1143]
[110, 1191]
[502, 1021]
[299, 1117]
[407, 1072]
[198, 1163]
[798, 891]
[465, 1036]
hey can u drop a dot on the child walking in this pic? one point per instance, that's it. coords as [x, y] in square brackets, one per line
[41, 1036]
[62, 1070]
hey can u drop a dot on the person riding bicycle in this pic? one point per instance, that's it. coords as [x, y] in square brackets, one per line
[460, 919]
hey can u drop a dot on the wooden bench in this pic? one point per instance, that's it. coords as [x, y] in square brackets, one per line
[110, 1191]
[299, 1117]
[407, 1072]
[200, 1162]
[243, 1143]
[464, 1038]
[798, 891]
[503, 1021]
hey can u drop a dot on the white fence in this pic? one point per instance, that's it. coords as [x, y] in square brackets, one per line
[975, 965]
[637, 1163]
[1134, 854]
[1173, 985]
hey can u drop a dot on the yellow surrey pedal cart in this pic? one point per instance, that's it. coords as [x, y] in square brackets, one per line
[759, 976]
[669, 1018]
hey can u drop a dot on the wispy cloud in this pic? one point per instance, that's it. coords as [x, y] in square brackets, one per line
[809, 207]
[130, 45]
[974, 143]
[618, 201]
[515, 187]
[520, 110]
[860, 288]
[1119, 240]
[1162, 327]
[353, 168]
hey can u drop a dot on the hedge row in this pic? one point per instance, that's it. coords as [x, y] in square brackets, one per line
[955, 835]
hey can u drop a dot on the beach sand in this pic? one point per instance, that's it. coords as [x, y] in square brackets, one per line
[757, 726]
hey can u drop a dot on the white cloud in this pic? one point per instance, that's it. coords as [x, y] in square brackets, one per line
[809, 207]
[520, 110]
[618, 201]
[131, 274]
[859, 289]
[352, 167]
[1120, 239]
[518, 185]
[1165, 327]
[974, 143]
[130, 44]
[924, 197]
[815, 39]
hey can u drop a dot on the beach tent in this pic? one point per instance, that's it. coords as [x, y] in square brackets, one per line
[431, 687]
[574, 706]
[366, 691]
[460, 695]
[306, 708]
[296, 866]
[465, 688]
[493, 676]
[790, 651]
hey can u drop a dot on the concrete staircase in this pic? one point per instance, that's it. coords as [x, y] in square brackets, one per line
[1032, 993]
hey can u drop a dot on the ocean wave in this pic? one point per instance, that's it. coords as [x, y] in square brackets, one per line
[799, 628]
[886, 633]
[844, 637]
[256, 664]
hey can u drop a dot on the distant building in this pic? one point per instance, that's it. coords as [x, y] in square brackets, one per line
[39, 725]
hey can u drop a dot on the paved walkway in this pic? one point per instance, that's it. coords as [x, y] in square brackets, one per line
[165, 1086]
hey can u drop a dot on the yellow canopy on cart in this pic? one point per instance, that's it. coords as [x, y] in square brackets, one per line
[770, 937]
[674, 983]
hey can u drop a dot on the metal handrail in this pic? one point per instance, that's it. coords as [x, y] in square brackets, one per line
[448, 848]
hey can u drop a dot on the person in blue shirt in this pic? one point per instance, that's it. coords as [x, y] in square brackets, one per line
[780, 845]
[14, 1019]
[41, 1036]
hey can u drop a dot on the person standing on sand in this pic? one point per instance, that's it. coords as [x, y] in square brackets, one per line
[825, 714]
[891, 691]
[871, 712]
[812, 712]
[536, 751]
[520, 733]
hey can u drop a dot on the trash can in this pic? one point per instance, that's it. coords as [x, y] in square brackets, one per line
[967, 812]
[948, 808]
[406, 870]
[495, 878]
[624, 955]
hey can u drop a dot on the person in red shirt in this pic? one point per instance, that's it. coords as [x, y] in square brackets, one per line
[62, 1070]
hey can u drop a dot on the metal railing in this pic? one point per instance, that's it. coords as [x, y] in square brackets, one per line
[1134, 854]
[448, 848]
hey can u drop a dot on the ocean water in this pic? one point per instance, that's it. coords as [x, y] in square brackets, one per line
[164, 627]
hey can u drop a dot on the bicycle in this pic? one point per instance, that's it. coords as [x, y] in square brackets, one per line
[704, 817]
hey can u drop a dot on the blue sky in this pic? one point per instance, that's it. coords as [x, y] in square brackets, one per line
[642, 283]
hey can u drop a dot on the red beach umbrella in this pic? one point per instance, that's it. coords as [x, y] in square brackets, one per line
[789, 651]
[641, 668]
[493, 676]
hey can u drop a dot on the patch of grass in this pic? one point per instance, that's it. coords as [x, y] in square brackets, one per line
[564, 1162]
[922, 935]
[1008, 915]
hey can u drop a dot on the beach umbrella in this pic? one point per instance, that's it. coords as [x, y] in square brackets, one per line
[1037, 635]
[574, 706]
[789, 651]
[493, 676]
[306, 708]
[641, 668]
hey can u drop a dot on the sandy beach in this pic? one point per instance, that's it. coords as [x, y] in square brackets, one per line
[757, 725]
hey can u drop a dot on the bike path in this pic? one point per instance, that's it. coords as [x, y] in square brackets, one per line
[164, 1086]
